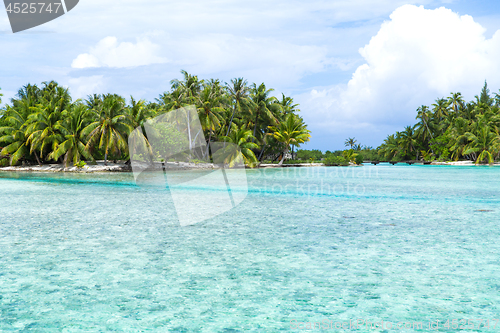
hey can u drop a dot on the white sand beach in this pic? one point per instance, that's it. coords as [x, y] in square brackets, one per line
[454, 163]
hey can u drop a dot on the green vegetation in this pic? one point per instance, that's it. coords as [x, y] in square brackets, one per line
[44, 125]
[336, 161]
[241, 137]
[80, 164]
[358, 159]
[356, 155]
[306, 155]
[291, 131]
[451, 129]
[350, 155]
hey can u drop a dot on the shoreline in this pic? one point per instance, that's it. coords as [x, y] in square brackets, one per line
[99, 167]
[55, 168]
[122, 167]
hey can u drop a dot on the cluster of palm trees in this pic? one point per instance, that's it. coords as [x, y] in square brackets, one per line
[451, 129]
[43, 124]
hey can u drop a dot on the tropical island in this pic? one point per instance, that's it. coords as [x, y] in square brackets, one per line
[43, 125]
[450, 130]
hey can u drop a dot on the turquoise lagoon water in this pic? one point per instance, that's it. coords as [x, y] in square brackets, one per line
[96, 253]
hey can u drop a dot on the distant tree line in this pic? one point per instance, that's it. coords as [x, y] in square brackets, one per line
[451, 129]
[356, 153]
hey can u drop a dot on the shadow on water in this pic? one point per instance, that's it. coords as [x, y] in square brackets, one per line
[108, 179]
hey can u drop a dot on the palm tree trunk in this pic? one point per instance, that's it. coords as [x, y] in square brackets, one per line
[65, 161]
[283, 157]
[430, 133]
[255, 126]
[231, 121]
[262, 152]
[263, 145]
[38, 160]
[106, 157]
[428, 130]
[189, 134]
[208, 144]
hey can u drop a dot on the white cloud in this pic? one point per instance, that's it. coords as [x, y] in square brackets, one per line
[109, 53]
[269, 16]
[417, 56]
[257, 59]
[226, 28]
[85, 60]
[81, 87]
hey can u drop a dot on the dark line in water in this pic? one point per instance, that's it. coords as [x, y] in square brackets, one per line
[51, 180]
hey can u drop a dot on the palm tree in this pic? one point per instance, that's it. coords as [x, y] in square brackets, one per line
[264, 107]
[94, 101]
[287, 105]
[390, 148]
[350, 155]
[478, 107]
[42, 131]
[350, 142]
[408, 142]
[238, 93]
[422, 128]
[71, 126]
[458, 136]
[14, 134]
[29, 93]
[440, 108]
[290, 131]
[242, 137]
[188, 88]
[109, 129]
[209, 109]
[138, 112]
[14, 123]
[171, 101]
[483, 144]
[456, 102]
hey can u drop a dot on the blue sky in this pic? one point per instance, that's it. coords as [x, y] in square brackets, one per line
[358, 68]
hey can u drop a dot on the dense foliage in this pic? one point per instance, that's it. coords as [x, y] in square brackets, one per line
[355, 154]
[44, 125]
[451, 129]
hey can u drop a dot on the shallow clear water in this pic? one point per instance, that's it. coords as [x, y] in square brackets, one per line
[95, 253]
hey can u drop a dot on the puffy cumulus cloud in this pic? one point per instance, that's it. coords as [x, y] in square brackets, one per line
[109, 53]
[417, 56]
